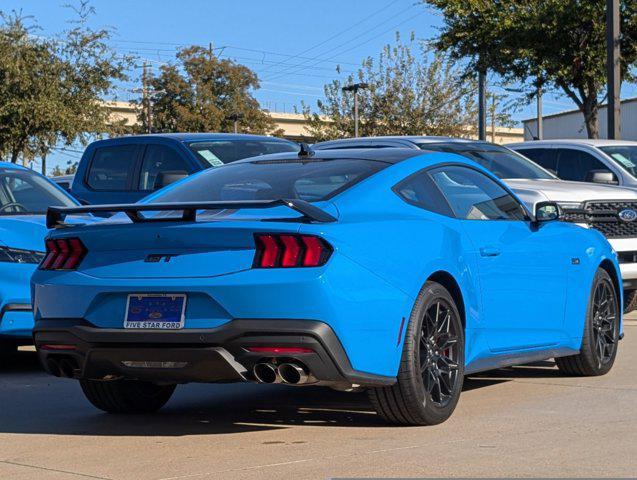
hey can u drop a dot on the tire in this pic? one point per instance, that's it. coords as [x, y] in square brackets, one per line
[601, 332]
[630, 300]
[416, 398]
[126, 396]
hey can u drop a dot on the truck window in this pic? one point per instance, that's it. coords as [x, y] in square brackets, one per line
[575, 165]
[544, 157]
[160, 160]
[214, 153]
[112, 167]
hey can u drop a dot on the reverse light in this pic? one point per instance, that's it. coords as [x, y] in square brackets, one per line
[280, 350]
[275, 250]
[63, 254]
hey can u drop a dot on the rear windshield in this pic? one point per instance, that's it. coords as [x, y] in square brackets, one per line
[500, 161]
[313, 180]
[214, 153]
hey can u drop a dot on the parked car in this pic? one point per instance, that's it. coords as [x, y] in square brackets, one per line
[612, 162]
[24, 199]
[606, 208]
[126, 169]
[393, 269]
[64, 181]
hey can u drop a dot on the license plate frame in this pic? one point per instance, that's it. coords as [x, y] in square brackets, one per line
[145, 320]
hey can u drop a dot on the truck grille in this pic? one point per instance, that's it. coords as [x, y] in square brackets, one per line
[604, 216]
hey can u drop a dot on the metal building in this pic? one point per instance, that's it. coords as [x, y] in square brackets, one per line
[570, 124]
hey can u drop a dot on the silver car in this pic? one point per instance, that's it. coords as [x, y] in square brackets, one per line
[610, 209]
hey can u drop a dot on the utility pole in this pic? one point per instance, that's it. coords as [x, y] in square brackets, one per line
[482, 105]
[355, 87]
[494, 112]
[540, 126]
[146, 100]
[613, 74]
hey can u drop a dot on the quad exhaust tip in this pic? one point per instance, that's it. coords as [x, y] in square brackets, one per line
[293, 374]
[63, 367]
[266, 373]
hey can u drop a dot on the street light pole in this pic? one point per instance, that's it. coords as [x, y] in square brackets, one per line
[613, 74]
[235, 117]
[355, 87]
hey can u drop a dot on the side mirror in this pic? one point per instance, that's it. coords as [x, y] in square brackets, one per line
[547, 212]
[602, 176]
[164, 179]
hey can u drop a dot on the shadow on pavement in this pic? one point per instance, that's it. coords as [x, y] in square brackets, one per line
[34, 403]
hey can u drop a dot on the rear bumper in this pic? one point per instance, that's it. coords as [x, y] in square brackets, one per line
[194, 355]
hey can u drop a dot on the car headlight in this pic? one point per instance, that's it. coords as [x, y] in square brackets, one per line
[16, 255]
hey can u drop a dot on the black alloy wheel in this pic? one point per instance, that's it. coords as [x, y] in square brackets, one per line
[600, 338]
[431, 370]
[438, 353]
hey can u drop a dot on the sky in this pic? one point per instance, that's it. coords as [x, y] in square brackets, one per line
[293, 46]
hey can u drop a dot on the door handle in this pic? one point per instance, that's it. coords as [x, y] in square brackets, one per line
[489, 251]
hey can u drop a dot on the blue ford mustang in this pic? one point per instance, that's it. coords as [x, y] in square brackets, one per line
[395, 270]
[24, 199]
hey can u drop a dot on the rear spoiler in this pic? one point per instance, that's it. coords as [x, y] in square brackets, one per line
[55, 216]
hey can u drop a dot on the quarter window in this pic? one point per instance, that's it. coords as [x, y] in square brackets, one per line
[419, 190]
[112, 167]
[474, 196]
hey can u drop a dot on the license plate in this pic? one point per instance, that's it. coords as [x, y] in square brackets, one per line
[162, 311]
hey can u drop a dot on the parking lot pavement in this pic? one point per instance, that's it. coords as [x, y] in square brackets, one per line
[526, 421]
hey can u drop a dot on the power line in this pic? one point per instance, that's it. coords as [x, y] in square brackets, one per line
[320, 59]
[346, 30]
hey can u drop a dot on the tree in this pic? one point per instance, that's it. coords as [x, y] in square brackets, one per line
[51, 89]
[409, 93]
[559, 43]
[29, 93]
[203, 93]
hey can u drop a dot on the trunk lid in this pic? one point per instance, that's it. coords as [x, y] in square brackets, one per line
[164, 244]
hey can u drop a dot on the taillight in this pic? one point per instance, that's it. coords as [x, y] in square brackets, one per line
[285, 250]
[63, 254]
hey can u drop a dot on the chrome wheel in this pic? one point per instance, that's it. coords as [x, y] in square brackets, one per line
[438, 353]
[604, 323]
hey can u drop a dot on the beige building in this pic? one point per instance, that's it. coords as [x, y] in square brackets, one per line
[293, 124]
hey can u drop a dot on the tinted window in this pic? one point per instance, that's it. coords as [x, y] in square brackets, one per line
[474, 196]
[160, 160]
[419, 190]
[217, 152]
[112, 167]
[577, 165]
[500, 161]
[270, 180]
[24, 192]
[623, 155]
[544, 157]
